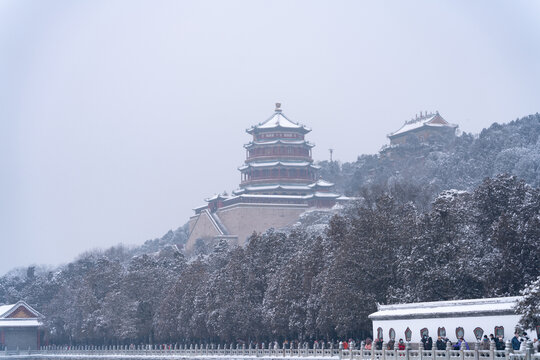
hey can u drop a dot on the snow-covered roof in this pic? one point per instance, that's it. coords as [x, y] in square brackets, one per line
[276, 187]
[277, 163]
[19, 322]
[4, 309]
[215, 197]
[326, 195]
[452, 308]
[7, 310]
[347, 198]
[268, 196]
[279, 141]
[299, 197]
[321, 183]
[278, 120]
[429, 120]
[199, 208]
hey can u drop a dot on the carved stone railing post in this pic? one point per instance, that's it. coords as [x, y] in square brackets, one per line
[507, 349]
[420, 350]
[528, 350]
[476, 349]
[492, 348]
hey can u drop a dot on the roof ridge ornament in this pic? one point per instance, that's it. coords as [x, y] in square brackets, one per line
[278, 107]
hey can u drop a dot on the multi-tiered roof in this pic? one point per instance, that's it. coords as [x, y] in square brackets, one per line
[278, 159]
[278, 168]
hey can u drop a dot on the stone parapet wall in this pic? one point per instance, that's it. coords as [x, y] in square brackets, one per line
[244, 219]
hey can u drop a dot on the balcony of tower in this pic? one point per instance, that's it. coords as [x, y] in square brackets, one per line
[298, 153]
[280, 135]
[270, 158]
[277, 181]
[278, 177]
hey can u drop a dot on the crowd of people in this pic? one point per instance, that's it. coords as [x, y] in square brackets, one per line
[518, 343]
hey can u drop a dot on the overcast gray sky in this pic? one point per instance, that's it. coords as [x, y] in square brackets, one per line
[118, 117]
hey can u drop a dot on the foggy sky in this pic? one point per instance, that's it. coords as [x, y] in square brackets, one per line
[119, 117]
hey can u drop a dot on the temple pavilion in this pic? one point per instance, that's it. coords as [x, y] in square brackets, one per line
[423, 128]
[278, 183]
[19, 327]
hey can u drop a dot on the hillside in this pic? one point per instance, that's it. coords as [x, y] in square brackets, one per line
[420, 171]
[438, 223]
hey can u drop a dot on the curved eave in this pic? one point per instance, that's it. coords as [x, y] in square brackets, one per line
[324, 195]
[202, 207]
[255, 129]
[321, 184]
[216, 197]
[277, 187]
[401, 132]
[277, 164]
[280, 141]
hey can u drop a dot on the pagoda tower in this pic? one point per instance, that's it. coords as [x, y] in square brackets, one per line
[278, 183]
[278, 159]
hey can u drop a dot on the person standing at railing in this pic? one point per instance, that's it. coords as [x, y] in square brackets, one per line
[485, 343]
[427, 341]
[500, 345]
[368, 344]
[441, 343]
[461, 343]
[401, 345]
[515, 341]
[496, 340]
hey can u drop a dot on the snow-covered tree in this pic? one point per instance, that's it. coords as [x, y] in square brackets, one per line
[529, 305]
